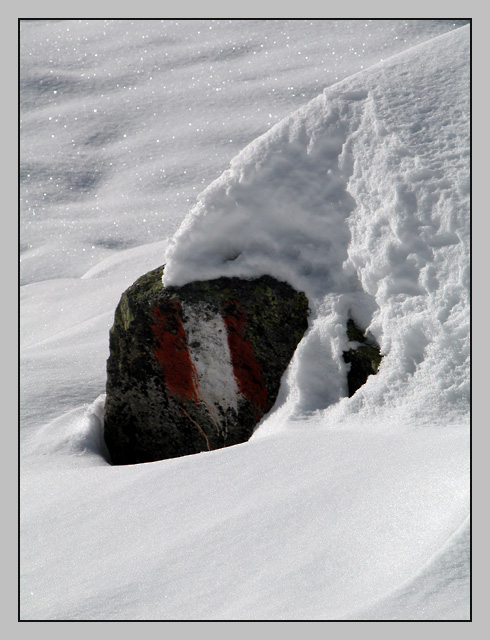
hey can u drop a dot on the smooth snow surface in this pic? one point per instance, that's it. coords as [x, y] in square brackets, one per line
[337, 508]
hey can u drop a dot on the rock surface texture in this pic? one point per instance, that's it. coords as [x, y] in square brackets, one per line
[195, 368]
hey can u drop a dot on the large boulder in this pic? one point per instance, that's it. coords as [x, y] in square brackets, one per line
[195, 368]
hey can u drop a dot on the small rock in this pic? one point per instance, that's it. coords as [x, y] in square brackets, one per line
[364, 359]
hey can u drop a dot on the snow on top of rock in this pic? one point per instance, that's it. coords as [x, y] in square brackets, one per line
[283, 206]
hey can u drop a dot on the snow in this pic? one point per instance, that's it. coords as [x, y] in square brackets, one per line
[338, 508]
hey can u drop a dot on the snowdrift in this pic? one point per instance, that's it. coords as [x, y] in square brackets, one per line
[360, 199]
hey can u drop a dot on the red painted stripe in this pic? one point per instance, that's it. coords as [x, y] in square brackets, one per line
[172, 352]
[246, 369]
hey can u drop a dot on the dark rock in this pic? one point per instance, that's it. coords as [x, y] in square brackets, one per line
[195, 368]
[364, 359]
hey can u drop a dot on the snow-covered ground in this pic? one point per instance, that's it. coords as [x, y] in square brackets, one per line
[353, 185]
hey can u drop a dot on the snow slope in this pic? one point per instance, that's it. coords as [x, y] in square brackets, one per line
[337, 508]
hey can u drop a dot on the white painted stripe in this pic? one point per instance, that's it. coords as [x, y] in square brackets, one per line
[210, 353]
